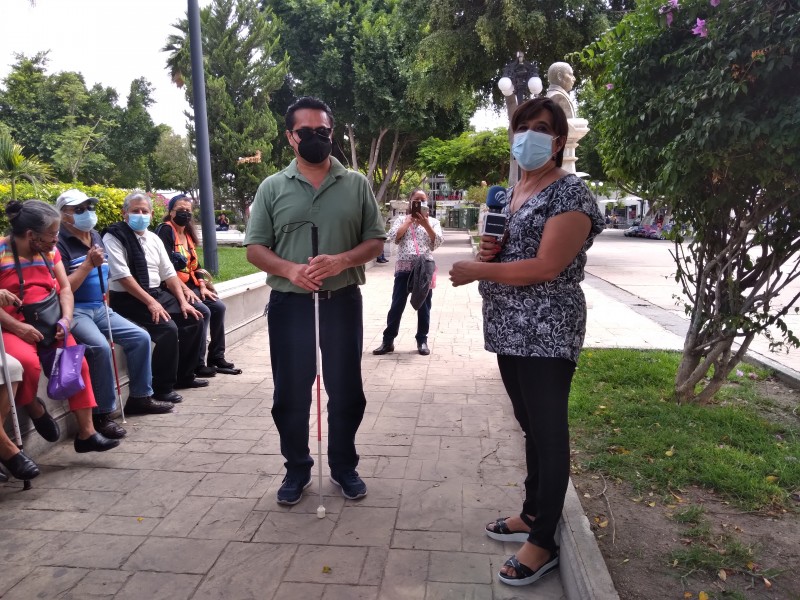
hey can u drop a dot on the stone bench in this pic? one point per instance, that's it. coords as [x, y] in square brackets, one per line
[245, 299]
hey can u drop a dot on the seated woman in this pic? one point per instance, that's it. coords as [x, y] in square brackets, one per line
[31, 268]
[12, 458]
[180, 238]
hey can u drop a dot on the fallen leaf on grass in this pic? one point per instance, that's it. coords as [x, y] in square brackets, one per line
[767, 583]
[771, 478]
[702, 596]
[722, 575]
[688, 595]
[651, 504]
[670, 452]
[326, 569]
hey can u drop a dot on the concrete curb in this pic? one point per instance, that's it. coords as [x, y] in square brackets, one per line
[584, 574]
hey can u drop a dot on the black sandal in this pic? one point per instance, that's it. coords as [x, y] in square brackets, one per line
[499, 530]
[524, 575]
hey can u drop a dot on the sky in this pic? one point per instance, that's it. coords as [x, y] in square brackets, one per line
[113, 42]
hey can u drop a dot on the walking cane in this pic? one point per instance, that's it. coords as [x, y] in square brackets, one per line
[26, 484]
[111, 340]
[314, 252]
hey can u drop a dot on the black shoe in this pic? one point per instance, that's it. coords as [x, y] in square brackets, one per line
[353, 487]
[108, 428]
[21, 466]
[194, 383]
[384, 348]
[46, 425]
[222, 363]
[291, 489]
[423, 349]
[94, 443]
[171, 397]
[205, 371]
[228, 368]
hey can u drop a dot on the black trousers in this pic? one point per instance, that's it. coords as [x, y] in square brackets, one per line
[539, 392]
[177, 340]
[213, 321]
[293, 354]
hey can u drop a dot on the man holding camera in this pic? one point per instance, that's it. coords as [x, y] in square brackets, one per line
[418, 234]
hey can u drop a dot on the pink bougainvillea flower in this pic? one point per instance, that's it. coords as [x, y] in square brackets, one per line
[669, 19]
[714, 2]
[673, 3]
[700, 29]
[609, 86]
[739, 373]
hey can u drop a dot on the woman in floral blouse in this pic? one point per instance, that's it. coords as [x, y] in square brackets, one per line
[534, 315]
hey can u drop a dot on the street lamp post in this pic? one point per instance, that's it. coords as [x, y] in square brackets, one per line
[518, 77]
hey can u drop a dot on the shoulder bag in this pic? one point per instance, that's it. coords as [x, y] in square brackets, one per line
[42, 315]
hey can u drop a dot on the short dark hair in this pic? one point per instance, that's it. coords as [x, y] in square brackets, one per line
[530, 108]
[306, 102]
[31, 215]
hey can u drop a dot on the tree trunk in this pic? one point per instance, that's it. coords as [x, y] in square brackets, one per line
[393, 158]
[374, 153]
[351, 135]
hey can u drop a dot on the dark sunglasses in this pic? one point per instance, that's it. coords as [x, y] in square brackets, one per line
[306, 133]
[79, 210]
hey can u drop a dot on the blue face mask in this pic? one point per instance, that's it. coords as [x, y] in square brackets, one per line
[85, 221]
[532, 149]
[139, 222]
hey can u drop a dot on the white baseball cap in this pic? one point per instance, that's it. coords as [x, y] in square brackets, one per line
[73, 197]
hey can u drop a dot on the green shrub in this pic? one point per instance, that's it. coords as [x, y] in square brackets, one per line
[109, 207]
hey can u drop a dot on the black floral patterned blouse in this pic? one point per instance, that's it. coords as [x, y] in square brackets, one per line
[544, 319]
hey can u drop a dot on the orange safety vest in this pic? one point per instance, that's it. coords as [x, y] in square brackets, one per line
[189, 254]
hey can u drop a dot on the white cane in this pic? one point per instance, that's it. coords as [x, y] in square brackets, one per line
[314, 252]
[26, 484]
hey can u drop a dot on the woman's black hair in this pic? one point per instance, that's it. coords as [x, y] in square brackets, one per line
[31, 215]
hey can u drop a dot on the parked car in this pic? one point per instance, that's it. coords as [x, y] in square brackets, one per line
[661, 233]
[632, 231]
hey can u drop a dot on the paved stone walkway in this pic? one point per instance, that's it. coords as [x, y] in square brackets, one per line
[185, 507]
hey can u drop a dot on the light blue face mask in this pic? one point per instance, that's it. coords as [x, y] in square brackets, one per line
[139, 222]
[532, 149]
[85, 221]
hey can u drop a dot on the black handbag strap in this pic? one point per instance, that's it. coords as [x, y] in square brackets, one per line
[18, 267]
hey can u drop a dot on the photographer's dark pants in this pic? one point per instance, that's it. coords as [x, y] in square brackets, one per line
[539, 392]
[399, 297]
[292, 345]
[177, 340]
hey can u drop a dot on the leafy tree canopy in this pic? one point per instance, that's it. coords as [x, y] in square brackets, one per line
[243, 67]
[468, 159]
[700, 105]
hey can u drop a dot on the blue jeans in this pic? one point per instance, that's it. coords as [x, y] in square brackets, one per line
[90, 327]
[399, 296]
[293, 354]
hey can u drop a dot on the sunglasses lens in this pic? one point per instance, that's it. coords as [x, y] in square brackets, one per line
[306, 133]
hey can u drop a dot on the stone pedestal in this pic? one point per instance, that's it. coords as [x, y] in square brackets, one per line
[577, 129]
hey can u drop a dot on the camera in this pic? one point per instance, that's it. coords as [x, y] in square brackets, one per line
[495, 224]
[416, 207]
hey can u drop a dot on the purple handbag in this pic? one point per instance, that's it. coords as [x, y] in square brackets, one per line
[64, 364]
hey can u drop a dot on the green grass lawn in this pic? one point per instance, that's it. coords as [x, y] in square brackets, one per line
[232, 263]
[624, 423]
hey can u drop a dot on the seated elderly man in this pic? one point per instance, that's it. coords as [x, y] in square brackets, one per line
[83, 256]
[138, 265]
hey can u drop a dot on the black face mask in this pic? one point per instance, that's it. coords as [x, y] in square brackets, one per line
[314, 150]
[182, 218]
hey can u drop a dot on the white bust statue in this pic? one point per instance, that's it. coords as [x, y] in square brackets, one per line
[561, 80]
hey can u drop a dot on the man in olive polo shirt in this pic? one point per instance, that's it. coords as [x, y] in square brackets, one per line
[315, 189]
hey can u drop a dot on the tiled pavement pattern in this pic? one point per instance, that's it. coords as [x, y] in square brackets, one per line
[185, 507]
